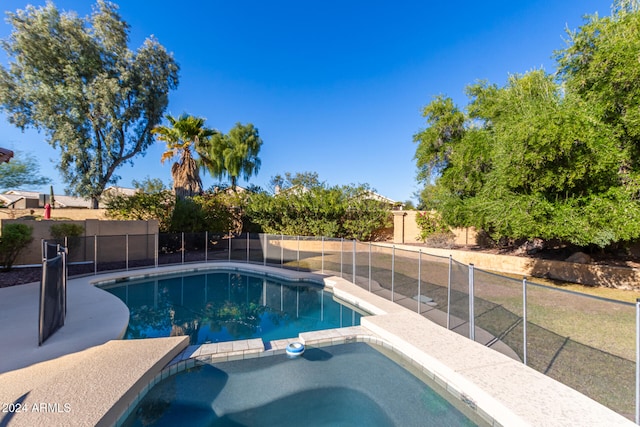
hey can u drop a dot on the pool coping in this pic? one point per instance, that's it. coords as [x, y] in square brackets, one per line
[478, 376]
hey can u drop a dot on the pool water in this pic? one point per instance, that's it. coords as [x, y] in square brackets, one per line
[226, 306]
[343, 385]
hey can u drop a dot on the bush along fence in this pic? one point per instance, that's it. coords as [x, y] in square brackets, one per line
[585, 342]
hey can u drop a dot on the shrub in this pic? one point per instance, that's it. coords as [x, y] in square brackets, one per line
[60, 231]
[143, 206]
[15, 237]
[430, 223]
[340, 211]
[72, 232]
[442, 240]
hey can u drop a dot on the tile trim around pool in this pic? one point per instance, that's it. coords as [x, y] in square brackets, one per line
[198, 355]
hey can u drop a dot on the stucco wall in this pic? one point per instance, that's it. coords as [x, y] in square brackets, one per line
[65, 213]
[109, 248]
[406, 230]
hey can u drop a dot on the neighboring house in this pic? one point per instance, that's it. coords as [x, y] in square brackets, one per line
[19, 199]
[114, 190]
[392, 203]
[16, 201]
[5, 155]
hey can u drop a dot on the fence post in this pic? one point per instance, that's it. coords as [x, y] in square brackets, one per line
[156, 250]
[419, 278]
[524, 319]
[65, 275]
[322, 257]
[126, 252]
[472, 320]
[637, 361]
[182, 247]
[341, 249]
[354, 261]
[265, 238]
[369, 266]
[393, 269]
[229, 246]
[206, 246]
[247, 247]
[449, 293]
[298, 254]
[281, 250]
[95, 254]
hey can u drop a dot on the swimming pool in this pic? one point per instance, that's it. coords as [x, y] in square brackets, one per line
[349, 384]
[228, 305]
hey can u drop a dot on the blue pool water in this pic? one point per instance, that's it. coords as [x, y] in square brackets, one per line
[343, 385]
[224, 306]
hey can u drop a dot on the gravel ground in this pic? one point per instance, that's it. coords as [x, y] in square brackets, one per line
[18, 276]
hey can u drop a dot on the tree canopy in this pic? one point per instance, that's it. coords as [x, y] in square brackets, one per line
[545, 156]
[289, 180]
[181, 136]
[23, 171]
[76, 79]
[235, 154]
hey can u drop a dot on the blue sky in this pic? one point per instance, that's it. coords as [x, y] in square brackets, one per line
[334, 87]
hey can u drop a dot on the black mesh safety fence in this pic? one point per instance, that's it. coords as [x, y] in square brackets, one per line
[433, 292]
[458, 310]
[382, 271]
[362, 272]
[498, 312]
[53, 292]
[405, 278]
[309, 253]
[217, 248]
[272, 249]
[587, 343]
[193, 247]
[238, 248]
[332, 258]
[256, 251]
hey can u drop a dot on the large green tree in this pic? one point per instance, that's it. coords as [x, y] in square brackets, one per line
[529, 160]
[235, 154]
[184, 134]
[76, 79]
[600, 64]
[23, 171]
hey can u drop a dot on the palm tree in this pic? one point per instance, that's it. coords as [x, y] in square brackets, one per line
[234, 154]
[184, 133]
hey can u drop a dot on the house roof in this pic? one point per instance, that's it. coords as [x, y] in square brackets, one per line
[60, 201]
[27, 194]
[5, 155]
[71, 202]
[375, 196]
[121, 190]
[10, 199]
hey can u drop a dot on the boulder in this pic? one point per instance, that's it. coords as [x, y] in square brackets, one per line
[579, 258]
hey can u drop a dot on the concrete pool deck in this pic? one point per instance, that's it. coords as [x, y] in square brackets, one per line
[98, 378]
